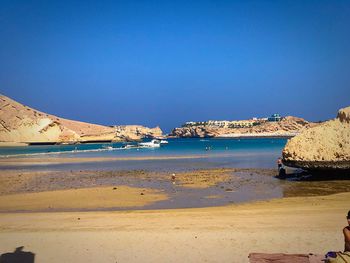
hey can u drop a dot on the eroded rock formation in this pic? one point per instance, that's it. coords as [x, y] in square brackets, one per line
[326, 146]
[135, 132]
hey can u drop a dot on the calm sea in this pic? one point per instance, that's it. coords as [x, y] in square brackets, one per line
[202, 153]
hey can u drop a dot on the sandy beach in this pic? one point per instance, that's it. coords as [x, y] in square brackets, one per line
[86, 198]
[219, 234]
[58, 215]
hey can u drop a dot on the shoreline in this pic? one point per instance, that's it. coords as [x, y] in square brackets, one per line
[25, 160]
[222, 136]
[104, 190]
[89, 190]
[294, 223]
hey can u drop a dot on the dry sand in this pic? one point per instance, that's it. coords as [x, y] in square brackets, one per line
[218, 234]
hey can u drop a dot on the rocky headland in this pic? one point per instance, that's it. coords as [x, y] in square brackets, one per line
[288, 127]
[137, 132]
[22, 125]
[325, 147]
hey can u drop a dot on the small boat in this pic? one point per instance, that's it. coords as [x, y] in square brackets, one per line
[107, 147]
[129, 146]
[163, 142]
[152, 144]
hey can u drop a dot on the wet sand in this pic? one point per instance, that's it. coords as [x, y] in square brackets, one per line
[82, 198]
[63, 221]
[45, 191]
[14, 161]
[18, 181]
[68, 158]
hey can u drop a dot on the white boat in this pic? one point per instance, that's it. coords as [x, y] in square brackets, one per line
[107, 147]
[130, 146]
[163, 142]
[152, 144]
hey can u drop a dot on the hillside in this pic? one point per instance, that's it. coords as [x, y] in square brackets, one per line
[288, 126]
[20, 124]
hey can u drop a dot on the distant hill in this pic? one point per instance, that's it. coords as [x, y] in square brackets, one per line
[288, 126]
[20, 124]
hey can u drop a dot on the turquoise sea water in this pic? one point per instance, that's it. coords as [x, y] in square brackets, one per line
[192, 146]
[246, 153]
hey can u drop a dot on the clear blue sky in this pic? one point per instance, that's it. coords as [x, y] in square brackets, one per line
[167, 62]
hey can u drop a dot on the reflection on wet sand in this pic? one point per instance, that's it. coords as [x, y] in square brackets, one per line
[195, 188]
[315, 183]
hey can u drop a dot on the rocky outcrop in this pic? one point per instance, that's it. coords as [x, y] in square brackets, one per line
[326, 146]
[344, 115]
[22, 124]
[194, 132]
[136, 132]
[288, 126]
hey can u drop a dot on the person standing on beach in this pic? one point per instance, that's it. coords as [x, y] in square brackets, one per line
[279, 163]
[346, 232]
[281, 170]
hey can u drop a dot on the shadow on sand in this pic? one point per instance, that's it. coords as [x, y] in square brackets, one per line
[314, 175]
[18, 256]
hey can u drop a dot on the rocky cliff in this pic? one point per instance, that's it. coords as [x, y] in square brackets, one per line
[288, 126]
[135, 132]
[22, 124]
[326, 146]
